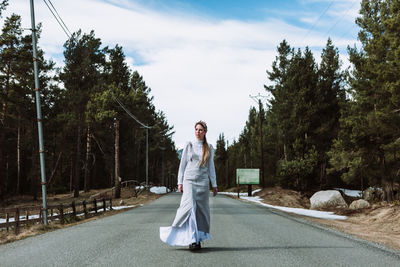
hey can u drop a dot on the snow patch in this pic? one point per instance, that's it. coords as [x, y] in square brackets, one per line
[306, 212]
[240, 194]
[350, 193]
[159, 190]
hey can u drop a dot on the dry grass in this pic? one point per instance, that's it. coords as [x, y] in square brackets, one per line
[36, 229]
[7, 237]
[283, 197]
[379, 223]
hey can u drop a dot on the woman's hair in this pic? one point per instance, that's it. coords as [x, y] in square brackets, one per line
[206, 148]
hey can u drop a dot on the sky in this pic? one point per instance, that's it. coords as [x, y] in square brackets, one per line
[202, 59]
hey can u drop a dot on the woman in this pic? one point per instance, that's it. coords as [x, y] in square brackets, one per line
[192, 221]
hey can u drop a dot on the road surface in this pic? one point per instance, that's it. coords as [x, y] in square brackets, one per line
[243, 234]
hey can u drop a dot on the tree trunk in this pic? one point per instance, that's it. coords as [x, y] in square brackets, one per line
[3, 134]
[35, 169]
[322, 174]
[285, 152]
[77, 160]
[162, 169]
[71, 173]
[7, 174]
[88, 151]
[18, 153]
[53, 172]
[387, 188]
[35, 177]
[2, 169]
[138, 169]
[117, 179]
[6, 89]
[362, 183]
[227, 165]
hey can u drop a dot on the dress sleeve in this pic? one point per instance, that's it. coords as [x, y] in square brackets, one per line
[211, 168]
[182, 165]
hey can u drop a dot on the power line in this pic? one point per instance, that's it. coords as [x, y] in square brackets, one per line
[346, 32]
[130, 114]
[59, 17]
[59, 23]
[345, 14]
[315, 23]
[147, 137]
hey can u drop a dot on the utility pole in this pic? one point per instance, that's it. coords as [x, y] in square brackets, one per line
[117, 184]
[163, 181]
[39, 115]
[147, 158]
[257, 99]
[227, 163]
[147, 137]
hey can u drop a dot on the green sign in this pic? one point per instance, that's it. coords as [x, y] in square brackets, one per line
[247, 176]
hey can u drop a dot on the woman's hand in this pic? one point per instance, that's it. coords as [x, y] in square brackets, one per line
[215, 191]
[180, 188]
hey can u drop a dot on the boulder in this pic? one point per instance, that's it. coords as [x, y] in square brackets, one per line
[359, 204]
[327, 199]
[373, 194]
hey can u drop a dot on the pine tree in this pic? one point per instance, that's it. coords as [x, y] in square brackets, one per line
[3, 5]
[281, 103]
[10, 41]
[220, 162]
[81, 75]
[294, 108]
[369, 129]
[330, 98]
[24, 108]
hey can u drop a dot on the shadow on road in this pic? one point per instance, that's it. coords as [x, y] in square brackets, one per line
[222, 249]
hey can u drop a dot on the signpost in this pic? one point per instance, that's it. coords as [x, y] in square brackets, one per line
[247, 176]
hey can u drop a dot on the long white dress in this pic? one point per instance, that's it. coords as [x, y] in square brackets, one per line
[192, 220]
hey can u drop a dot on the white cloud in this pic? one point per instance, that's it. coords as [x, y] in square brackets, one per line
[198, 67]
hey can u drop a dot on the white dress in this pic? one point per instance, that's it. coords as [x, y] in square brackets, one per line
[192, 220]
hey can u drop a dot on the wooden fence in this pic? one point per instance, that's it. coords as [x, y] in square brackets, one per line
[63, 211]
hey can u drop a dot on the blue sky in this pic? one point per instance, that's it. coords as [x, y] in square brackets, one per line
[292, 11]
[202, 59]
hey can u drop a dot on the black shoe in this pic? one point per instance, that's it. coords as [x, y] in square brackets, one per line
[198, 246]
[194, 246]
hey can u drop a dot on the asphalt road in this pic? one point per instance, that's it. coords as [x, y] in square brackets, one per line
[243, 234]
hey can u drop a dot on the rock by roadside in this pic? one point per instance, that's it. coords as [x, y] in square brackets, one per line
[327, 199]
[359, 204]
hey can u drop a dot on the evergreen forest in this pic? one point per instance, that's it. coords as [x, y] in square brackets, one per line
[325, 126]
[91, 141]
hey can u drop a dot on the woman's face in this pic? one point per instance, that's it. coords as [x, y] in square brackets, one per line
[200, 132]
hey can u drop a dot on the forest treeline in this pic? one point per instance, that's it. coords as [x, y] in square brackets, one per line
[90, 140]
[326, 126]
